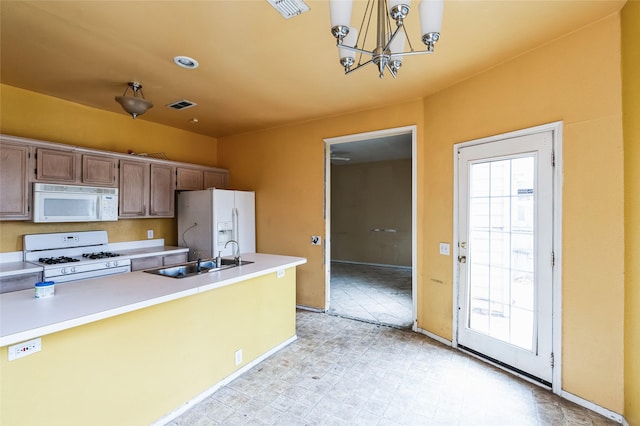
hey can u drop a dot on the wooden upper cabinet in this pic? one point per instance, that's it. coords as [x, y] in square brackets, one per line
[99, 170]
[14, 183]
[162, 191]
[146, 189]
[53, 165]
[134, 188]
[59, 166]
[215, 179]
[189, 179]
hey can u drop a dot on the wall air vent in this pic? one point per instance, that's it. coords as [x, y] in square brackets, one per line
[289, 8]
[182, 104]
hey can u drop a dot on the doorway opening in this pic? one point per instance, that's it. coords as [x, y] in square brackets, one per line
[370, 214]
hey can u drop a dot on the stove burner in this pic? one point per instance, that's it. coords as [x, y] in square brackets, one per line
[100, 255]
[56, 260]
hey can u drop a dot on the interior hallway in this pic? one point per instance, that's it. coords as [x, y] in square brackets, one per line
[345, 372]
[377, 294]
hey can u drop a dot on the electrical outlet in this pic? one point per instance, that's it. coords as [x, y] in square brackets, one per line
[280, 273]
[239, 357]
[444, 249]
[25, 348]
[150, 234]
[316, 240]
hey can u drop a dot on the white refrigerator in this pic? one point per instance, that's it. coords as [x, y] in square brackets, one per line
[208, 219]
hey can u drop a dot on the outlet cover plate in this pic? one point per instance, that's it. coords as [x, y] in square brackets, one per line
[25, 348]
[445, 249]
[316, 240]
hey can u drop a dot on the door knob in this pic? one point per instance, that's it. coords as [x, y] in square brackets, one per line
[462, 259]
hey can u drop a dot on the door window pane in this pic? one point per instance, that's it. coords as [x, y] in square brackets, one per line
[501, 250]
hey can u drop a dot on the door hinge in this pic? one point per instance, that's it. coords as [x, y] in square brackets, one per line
[553, 158]
[553, 259]
[552, 360]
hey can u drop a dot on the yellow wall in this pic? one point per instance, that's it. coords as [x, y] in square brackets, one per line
[285, 166]
[135, 368]
[631, 114]
[575, 79]
[368, 196]
[36, 116]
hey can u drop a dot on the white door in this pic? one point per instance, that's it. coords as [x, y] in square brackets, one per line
[505, 228]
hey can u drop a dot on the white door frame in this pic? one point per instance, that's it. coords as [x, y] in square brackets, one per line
[414, 205]
[556, 129]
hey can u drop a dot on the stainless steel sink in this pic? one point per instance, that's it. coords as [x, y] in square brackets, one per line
[190, 269]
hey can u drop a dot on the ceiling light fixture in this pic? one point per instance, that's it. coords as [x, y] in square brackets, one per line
[134, 105]
[388, 50]
[186, 62]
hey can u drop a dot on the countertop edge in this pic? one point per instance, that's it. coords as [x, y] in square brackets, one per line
[21, 336]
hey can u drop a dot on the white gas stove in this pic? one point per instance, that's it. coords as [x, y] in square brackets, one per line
[72, 256]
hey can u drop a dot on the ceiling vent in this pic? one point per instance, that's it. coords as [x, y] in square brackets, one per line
[289, 8]
[182, 104]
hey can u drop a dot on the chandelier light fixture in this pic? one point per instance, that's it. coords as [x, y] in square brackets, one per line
[389, 47]
[134, 105]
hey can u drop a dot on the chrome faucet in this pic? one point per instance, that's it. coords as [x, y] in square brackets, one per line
[236, 256]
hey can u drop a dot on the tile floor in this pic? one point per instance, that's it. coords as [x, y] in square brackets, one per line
[346, 372]
[376, 294]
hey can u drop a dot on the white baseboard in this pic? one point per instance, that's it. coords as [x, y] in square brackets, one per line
[433, 336]
[593, 407]
[385, 265]
[207, 393]
[309, 308]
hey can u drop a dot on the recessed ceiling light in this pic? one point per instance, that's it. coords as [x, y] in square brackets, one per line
[185, 62]
[194, 120]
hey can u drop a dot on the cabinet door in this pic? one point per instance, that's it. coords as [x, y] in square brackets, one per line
[215, 180]
[134, 188]
[188, 179]
[162, 190]
[99, 170]
[19, 282]
[55, 165]
[173, 259]
[14, 189]
[142, 263]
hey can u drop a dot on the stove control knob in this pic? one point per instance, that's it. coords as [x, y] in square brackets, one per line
[115, 263]
[108, 264]
[63, 270]
[73, 269]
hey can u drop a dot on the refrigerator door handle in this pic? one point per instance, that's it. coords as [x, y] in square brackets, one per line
[236, 223]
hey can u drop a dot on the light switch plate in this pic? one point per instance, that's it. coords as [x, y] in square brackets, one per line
[445, 249]
[150, 234]
[316, 240]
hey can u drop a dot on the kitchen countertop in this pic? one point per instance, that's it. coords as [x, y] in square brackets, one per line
[9, 269]
[11, 263]
[151, 251]
[145, 248]
[23, 317]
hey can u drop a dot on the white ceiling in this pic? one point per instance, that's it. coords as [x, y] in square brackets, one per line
[396, 147]
[257, 69]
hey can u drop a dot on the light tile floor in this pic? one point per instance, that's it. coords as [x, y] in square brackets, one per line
[346, 372]
[377, 294]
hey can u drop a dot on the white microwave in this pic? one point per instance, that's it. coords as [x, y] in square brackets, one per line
[69, 203]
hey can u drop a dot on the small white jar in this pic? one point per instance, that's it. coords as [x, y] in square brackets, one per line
[45, 289]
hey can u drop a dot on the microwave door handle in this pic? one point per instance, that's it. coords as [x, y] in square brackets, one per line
[98, 206]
